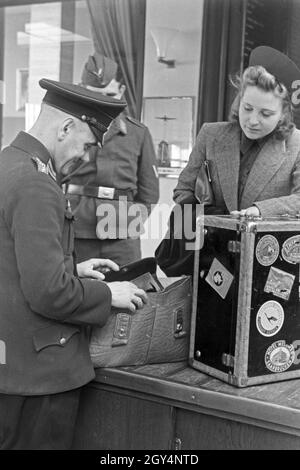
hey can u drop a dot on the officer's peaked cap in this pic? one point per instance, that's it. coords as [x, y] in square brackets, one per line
[276, 63]
[91, 107]
[99, 71]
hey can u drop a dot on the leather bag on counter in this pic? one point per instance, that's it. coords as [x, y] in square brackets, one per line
[159, 332]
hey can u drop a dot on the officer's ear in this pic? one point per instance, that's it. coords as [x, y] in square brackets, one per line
[65, 128]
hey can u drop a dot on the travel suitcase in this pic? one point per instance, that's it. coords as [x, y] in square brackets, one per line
[245, 317]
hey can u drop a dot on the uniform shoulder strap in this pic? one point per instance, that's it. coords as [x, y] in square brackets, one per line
[135, 121]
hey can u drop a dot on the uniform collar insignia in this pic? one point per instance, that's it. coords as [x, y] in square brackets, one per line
[51, 170]
[46, 168]
[41, 166]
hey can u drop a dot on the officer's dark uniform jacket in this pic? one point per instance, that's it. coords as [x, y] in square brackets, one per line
[45, 309]
[127, 163]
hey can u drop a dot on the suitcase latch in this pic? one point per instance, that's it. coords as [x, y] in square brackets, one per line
[178, 323]
[234, 246]
[228, 360]
[122, 329]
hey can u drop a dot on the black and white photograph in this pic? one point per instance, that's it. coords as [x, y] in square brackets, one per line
[149, 229]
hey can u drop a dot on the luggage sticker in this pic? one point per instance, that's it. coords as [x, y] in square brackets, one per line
[270, 318]
[279, 283]
[279, 356]
[291, 250]
[267, 250]
[219, 278]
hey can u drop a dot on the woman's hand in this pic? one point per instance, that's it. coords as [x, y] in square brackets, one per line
[96, 268]
[252, 211]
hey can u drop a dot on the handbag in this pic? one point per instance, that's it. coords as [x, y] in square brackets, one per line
[156, 333]
[203, 188]
[172, 255]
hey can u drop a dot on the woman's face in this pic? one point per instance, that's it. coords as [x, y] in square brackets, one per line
[259, 112]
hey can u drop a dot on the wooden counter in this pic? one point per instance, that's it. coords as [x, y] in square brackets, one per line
[172, 406]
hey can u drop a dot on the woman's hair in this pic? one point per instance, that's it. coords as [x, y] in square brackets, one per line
[258, 76]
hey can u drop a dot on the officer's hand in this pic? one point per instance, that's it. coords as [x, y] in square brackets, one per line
[127, 295]
[96, 267]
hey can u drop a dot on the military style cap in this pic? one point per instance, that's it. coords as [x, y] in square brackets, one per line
[91, 107]
[278, 64]
[99, 71]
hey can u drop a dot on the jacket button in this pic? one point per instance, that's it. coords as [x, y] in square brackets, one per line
[62, 340]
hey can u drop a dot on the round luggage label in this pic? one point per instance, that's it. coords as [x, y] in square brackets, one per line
[291, 250]
[279, 356]
[267, 250]
[270, 318]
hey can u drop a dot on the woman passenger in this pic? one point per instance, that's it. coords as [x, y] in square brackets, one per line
[254, 158]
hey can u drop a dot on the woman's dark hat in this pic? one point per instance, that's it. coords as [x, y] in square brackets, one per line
[279, 65]
[95, 109]
[99, 71]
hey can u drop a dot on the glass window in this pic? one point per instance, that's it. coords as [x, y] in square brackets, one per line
[50, 40]
[54, 39]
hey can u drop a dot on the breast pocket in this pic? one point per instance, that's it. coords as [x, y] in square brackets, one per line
[56, 335]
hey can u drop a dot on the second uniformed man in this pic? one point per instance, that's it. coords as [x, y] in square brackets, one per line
[120, 174]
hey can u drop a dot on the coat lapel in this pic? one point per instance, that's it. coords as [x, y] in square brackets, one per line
[268, 161]
[227, 151]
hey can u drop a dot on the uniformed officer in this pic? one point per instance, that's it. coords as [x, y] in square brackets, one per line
[46, 305]
[122, 174]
